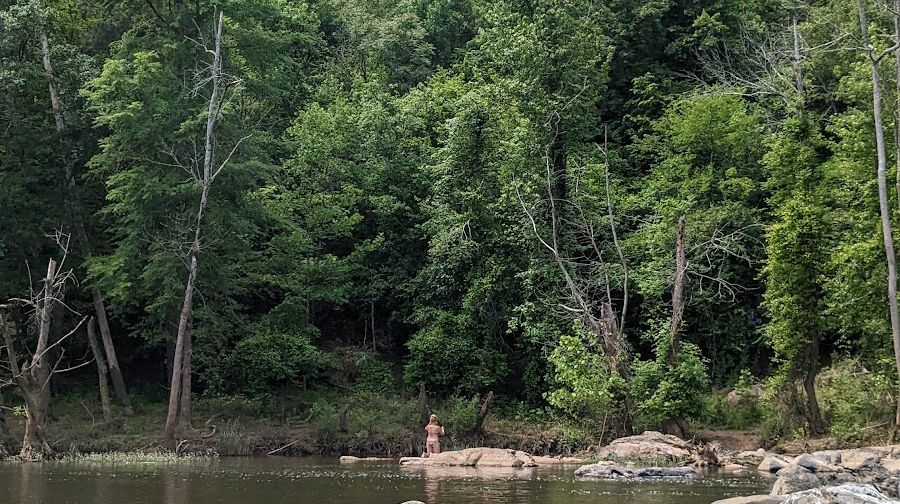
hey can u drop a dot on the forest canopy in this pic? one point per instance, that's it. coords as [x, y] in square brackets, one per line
[607, 209]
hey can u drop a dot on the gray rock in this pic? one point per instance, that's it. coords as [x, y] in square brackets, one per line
[773, 463]
[665, 472]
[830, 456]
[815, 464]
[848, 493]
[650, 445]
[612, 471]
[794, 479]
[753, 499]
[859, 459]
[603, 471]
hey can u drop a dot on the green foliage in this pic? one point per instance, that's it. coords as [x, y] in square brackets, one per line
[856, 402]
[663, 391]
[582, 380]
[270, 358]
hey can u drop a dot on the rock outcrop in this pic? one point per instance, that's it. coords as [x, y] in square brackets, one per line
[474, 457]
[654, 448]
[794, 478]
[847, 493]
[612, 471]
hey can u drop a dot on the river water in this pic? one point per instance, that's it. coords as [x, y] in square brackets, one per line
[282, 480]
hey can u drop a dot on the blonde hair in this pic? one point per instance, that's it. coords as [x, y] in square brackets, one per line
[432, 418]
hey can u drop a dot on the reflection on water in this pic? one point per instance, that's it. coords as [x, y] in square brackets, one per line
[276, 480]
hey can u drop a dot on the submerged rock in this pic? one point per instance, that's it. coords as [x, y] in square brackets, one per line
[616, 471]
[603, 471]
[752, 499]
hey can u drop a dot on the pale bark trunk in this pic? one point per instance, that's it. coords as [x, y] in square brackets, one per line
[80, 231]
[33, 379]
[101, 371]
[883, 206]
[208, 175]
[186, 404]
[678, 291]
[175, 386]
[897, 104]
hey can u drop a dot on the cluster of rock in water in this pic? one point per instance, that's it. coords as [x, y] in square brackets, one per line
[855, 476]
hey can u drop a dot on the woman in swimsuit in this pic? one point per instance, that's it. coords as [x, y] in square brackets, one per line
[435, 431]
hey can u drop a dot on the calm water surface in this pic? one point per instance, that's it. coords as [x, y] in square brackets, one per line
[280, 480]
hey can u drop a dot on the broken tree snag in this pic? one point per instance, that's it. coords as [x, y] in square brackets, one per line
[422, 404]
[677, 291]
[73, 212]
[483, 412]
[342, 419]
[101, 371]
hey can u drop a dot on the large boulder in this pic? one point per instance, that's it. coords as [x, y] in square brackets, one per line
[650, 445]
[848, 493]
[750, 458]
[860, 459]
[774, 463]
[474, 457]
[753, 499]
[792, 479]
[815, 464]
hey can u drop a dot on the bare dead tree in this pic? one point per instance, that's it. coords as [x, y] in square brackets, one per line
[73, 211]
[32, 375]
[883, 205]
[204, 174]
[596, 313]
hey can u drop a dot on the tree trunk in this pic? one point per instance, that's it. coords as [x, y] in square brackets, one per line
[483, 412]
[33, 379]
[422, 405]
[208, 175]
[816, 424]
[37, 402]
[101, 371]
[76, 222]
[882, 192]
[175, 385]
[677, 293]
[186, 405]
[897, 105]
[115, 372]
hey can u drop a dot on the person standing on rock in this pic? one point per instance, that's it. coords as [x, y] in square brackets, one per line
[433, 441]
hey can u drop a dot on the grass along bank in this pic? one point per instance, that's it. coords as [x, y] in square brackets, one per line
[301, 424]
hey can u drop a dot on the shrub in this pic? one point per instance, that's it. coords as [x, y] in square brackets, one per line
[271, 358]
[854, 399]
[582, 380]
[449, 357]
[720, 411]
[663, 392]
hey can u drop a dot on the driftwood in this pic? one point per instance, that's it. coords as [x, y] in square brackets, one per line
[292, 443]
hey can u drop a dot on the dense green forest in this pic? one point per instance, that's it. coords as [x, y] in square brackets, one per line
[603, 211]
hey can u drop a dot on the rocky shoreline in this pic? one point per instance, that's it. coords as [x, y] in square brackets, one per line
[853, 476]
